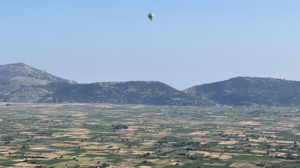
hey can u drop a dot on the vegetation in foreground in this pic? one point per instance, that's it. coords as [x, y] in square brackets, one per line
[105, 135]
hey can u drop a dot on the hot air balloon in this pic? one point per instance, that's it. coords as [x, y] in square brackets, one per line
[151, 16]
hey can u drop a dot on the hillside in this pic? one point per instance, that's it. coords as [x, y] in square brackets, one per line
[249, 90]
[23, 74]
[24, 84]
[132, 92]
[21, 83]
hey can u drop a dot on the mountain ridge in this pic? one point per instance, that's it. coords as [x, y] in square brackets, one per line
[24, 84]
[249, 91]
[21, 83]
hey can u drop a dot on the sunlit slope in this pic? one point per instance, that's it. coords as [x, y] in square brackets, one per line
[249, 91]
[23, 74]
[24, 84]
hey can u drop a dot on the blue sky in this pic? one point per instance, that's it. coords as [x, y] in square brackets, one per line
[189, 42]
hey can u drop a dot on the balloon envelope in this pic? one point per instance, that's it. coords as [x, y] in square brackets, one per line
[151, 16]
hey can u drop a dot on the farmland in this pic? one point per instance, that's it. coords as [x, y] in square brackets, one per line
[107, 135]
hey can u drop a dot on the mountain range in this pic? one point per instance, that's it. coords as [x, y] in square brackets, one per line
[20, 83]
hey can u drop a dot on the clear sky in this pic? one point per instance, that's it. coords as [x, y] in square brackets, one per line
[189, 42]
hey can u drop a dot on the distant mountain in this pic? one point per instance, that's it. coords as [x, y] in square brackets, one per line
[21, 83]
[23, 74]
[132, 92]
[24, 84]
[249, 91]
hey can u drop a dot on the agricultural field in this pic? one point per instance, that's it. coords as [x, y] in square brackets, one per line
[119, 136]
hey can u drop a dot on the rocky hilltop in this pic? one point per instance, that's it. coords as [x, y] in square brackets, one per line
[21, 72]
[22, 83]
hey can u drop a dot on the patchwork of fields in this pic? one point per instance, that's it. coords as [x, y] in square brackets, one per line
[106, 135]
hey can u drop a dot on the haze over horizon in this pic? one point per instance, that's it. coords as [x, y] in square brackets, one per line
[188, 42]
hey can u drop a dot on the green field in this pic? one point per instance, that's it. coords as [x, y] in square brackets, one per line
[107, 135]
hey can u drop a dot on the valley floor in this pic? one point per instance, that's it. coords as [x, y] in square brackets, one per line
[106, 135]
